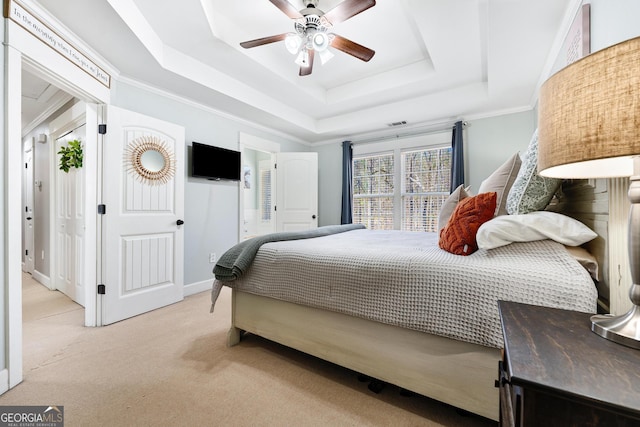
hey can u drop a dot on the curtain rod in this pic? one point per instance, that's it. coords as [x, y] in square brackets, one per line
[435, 128]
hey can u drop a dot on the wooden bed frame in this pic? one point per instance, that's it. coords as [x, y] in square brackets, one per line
[455, 372]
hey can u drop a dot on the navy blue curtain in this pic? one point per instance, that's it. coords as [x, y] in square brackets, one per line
[457, 157]
[347, 191]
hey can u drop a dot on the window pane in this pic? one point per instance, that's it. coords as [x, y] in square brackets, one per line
[373, 191]
[373, 175]
[376, 213]
[427, 171]
[420, 213]
[265, 195]
[426, 178]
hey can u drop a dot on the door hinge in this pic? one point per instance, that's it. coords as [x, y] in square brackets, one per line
[26, 166]
[102, 209]
[102, 129]
[102, 289]
[26, 252]
[275, 166]
[275, 208]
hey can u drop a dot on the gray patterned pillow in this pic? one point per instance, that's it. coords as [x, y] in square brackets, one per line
[531, 192]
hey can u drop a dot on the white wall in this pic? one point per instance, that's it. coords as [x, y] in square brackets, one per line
[211, 207]
[3, 207]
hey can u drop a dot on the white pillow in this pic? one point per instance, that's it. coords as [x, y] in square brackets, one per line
[505, 229]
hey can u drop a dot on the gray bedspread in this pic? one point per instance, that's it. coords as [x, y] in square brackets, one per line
[404, 279]
[237, 260]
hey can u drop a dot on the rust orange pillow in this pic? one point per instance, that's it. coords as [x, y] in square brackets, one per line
[459, 235]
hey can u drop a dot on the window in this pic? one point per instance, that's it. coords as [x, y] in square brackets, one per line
[426, 175]
[403, 190]
[373, 190]
[265, 195]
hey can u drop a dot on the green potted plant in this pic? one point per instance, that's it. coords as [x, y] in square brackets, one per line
[71, 155]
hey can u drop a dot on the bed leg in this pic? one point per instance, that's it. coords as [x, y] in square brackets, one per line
[233, 336]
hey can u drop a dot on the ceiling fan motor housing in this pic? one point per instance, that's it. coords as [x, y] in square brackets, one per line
[310, 3]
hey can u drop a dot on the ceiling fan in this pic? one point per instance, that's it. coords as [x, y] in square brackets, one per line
[312, 35]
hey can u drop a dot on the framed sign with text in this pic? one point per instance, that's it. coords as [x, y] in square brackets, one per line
[14, 11]
[577, 43]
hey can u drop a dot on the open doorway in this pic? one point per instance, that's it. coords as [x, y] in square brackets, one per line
[257, 193]
[49, 197]
[257, 189]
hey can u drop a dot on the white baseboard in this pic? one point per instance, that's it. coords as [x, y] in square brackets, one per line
[190, 289]
[195, 288]
[45, 280]
[4, 381]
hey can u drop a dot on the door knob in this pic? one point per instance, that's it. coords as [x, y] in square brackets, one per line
[179, 222]
[29, 218]
[313, 217]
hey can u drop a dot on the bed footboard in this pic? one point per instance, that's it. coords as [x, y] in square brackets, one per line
[454, 372]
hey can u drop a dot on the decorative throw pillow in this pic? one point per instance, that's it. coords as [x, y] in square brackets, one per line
[530, 191]
[450, 204]
[501, 181]
[459, 235]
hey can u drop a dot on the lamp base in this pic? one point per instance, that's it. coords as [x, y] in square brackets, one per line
[623, 329]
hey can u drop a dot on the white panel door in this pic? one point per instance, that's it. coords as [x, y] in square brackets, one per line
[297, 191]
[28, 238]
[142, 235]
[70, 219]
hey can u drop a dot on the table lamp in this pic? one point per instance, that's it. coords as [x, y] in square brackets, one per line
[589, 127]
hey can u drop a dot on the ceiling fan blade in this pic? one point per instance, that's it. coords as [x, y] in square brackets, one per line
[305, 71]
[347, 9]
[352, 48]
[287, 8]
[264, 40]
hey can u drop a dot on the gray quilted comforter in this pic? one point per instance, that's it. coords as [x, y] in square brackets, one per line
[234, 262]
[404, 279]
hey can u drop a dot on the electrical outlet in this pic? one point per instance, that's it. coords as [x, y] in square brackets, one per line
[212, 258]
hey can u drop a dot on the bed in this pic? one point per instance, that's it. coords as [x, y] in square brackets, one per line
[394, 306]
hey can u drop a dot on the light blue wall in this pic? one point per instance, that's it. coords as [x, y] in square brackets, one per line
[211, 208]
[488, 143]
[613, 21]
[329, 183]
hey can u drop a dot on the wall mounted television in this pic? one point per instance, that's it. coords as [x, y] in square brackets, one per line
[214, 163]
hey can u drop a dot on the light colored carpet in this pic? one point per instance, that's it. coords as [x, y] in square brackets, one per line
[171, 367]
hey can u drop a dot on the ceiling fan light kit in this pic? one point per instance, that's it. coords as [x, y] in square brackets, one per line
[312, 35]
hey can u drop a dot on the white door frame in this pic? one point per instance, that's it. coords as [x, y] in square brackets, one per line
[28, 186]
[23, 49]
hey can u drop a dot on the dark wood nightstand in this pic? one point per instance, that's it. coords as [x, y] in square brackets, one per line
[556, 372]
